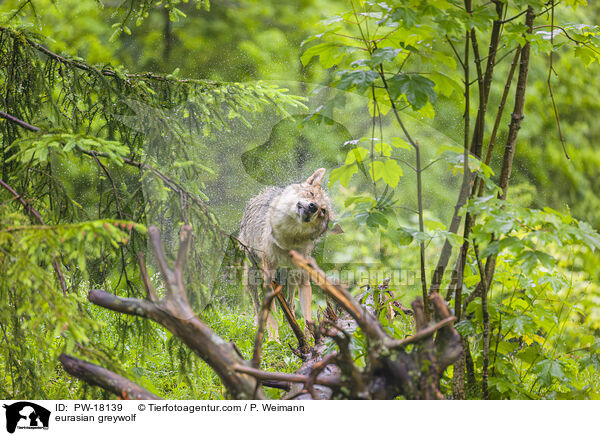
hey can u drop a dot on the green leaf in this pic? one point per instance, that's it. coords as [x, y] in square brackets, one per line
[388, 170]
[530, 354]
[528, 261]
[417, 89]
[401, 143]
[545, 259]
[575, 3]
[378, 57]
[519, 324]
[505, 347]
[501, 384]
[376, 219]
[406, 16]
[434, 225]
[491, 248]
[383, 149]
[360, 199]
[445, 85]
[400, 236]
[329, 54]
[530, 258]
[357, 154]
[548, 370]
[466, 328]
[342, 174]
[361, 80]
[511, 243]
[589, 235]
[592, 360]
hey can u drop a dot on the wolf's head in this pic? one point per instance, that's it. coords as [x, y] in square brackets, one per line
[302, 210]
[313, 203]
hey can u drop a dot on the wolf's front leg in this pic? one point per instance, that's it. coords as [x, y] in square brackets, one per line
[251, 286]
[272, 324]
[268, 277]
[305, 291]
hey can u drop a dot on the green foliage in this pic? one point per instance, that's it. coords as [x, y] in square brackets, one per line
[536, 304]
[35, 302]
[104, 151]
[541, 315]
[161, 363]
[119, 147]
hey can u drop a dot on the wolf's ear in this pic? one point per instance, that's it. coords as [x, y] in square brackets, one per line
[337, 229]
[316, 178]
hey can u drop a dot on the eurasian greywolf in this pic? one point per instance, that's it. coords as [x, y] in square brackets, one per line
[279, 220]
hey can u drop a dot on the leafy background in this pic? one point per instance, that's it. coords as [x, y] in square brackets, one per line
[120, 147]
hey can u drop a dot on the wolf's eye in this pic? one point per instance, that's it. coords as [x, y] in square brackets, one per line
[312, 194]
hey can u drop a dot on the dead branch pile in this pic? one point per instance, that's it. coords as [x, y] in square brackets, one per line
[409, 367]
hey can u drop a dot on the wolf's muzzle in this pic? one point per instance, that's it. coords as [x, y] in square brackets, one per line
[306, 211]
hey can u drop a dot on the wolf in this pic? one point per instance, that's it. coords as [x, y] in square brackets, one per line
[279, 220]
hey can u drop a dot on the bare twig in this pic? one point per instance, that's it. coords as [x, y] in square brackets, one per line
[262, 320]
[492, 141]
[517, 114]
[549, 82]
[486, 326]
[423, 333]
[291, 319]
[146, 279]
[419, 174]
[485, 79]
[465, 189]
[19, 122]
[462, 63]
[345, 360]
[342, 297]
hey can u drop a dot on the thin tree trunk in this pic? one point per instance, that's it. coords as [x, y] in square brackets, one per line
[517, 115]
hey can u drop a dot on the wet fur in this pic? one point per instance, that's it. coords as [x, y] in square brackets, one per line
[277, 221]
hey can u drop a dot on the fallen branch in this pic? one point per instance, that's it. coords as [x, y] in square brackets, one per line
[108, 380]
[281, 376]
[174, 313]
[313, 376]
[390, 370]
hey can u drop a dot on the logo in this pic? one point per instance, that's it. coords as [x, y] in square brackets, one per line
[26, 415]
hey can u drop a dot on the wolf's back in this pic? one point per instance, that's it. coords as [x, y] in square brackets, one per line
[254, 220]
